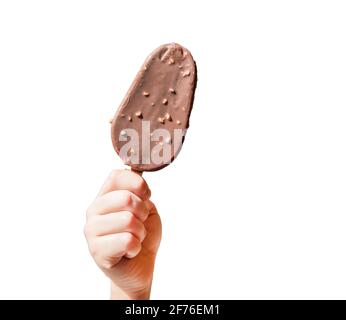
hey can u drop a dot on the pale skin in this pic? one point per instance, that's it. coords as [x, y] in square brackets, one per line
[123, 231]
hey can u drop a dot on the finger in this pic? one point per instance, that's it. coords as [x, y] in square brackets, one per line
[109, 249]
[121, 200]
[126, 180]
[118, 222]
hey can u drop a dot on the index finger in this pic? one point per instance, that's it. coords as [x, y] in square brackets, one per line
[126, 180]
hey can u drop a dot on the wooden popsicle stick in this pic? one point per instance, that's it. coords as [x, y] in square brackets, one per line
[138, 172]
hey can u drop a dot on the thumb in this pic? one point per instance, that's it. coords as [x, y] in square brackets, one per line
[154, 229]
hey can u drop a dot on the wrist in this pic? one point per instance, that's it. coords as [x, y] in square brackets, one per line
[120, 294]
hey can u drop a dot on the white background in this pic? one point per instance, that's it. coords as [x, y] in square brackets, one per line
[254, 206]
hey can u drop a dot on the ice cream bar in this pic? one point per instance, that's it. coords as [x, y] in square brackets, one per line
[149, 127]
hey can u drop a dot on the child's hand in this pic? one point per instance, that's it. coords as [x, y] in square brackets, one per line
[123, 230]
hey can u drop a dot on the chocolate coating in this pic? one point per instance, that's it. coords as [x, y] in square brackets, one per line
[162, 93]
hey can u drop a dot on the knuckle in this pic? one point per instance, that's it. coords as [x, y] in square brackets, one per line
[114, 174]
[127, 198]
[141, 186]
[106, 265]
